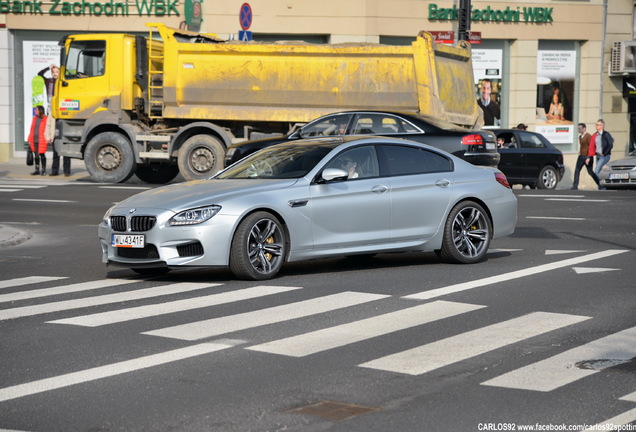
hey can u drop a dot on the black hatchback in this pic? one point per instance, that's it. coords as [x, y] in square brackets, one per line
[529, 159]
[475, 146]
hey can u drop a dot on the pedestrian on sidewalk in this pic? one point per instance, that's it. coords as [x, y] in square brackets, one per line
[39, 137]
[582, 160]
[601, 145]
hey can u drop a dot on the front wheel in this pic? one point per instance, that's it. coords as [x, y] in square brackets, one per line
[467, 234]
[200, 157]
[548, 178]
[258, 247]
[109, 158]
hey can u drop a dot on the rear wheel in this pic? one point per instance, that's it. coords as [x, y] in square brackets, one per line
[258, 247]
[548, 178]
[467, 234]
[157, 173]
[109, 158]
[200, 157]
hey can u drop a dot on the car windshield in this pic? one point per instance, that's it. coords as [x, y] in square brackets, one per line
[277, 162]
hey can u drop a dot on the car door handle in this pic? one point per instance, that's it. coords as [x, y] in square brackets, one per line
[442, 183]
[379, 189]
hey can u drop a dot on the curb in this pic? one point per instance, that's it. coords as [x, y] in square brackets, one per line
[10, 236]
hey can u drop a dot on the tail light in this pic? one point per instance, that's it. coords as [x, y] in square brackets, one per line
[502, 180]
[473, 139]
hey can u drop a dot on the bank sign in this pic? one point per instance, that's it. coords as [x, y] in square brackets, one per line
[489, 14]
[85, 8]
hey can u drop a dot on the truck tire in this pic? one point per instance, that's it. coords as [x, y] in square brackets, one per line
[109, 158]
[157, 173]
[200, 157]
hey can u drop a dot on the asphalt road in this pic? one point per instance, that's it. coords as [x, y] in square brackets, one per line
[542, 334]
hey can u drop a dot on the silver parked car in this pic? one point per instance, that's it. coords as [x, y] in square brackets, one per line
[311, 199]
[620, 173]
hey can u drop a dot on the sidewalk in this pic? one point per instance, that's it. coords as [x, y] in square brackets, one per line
[16, 169]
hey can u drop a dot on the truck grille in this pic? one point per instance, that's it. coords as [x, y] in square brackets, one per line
[137, 223]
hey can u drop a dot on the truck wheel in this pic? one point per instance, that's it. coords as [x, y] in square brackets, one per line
[109, 158]
[157, 173]
[200, 157]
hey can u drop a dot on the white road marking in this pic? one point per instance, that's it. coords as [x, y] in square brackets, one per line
[227, 324]
[584, 270]
[442, 353]
[9, 190]
[43, 200]
[64, 289]
[561, 252]
[100, 372]
[9, 283]
[556, 218]
[333, 337]
[514, 275]
[578, 200]
[19, 312]
[111, 317]
[557, 371]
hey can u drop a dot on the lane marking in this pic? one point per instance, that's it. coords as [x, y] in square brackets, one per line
[227, 324]
[129, 314]
[584, 270]
[100, 372]
[333, 337]
[64, 289]
[43, 200]
[556, 218]
[10, 283]
[426, 358]
[579, 200]
[25, 311]
[561, 252]
[557, 371]
[513, 275]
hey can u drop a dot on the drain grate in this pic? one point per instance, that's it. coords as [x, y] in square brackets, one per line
[333, 411]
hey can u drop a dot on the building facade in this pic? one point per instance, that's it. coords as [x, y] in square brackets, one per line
[527, 50]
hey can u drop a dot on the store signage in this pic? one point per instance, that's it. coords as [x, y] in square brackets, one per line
[446, 37]
[83, 8]
[517, 14]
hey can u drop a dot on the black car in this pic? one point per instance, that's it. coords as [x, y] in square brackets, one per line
[529, 159]
[476, 147]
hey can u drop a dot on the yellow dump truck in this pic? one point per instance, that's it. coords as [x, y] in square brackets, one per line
[172, 102]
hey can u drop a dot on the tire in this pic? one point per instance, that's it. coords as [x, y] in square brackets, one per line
[200, 157]
[109, 158]
[467, 234]
[157, 173]
[258, 247]
[548, 178]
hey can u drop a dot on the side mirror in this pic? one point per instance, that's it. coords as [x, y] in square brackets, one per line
[334, 174]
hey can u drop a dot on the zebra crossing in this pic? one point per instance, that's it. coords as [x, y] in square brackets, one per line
[544, 375]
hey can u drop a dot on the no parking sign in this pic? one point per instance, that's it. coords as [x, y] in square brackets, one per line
[245, 19]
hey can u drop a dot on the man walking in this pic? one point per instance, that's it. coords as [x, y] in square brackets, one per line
[601, 145]
[582, 160]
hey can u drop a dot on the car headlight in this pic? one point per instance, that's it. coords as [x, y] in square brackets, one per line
[194, 216]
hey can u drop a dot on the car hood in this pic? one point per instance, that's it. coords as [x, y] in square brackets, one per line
[197, 193]
[629, 160]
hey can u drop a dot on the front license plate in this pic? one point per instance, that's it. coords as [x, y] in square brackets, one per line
[128, 241]
[619, 176]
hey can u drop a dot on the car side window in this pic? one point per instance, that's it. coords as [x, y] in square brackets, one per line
[508, 139]
[359, 162]
[381, 124]
[405, 160]
[529, 140]
[329, 126]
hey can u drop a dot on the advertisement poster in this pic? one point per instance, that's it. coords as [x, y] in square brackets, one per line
[40, 71]
[487, 69]
[555, 89]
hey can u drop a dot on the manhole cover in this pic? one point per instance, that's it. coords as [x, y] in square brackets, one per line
[602, 364]
[333, 411]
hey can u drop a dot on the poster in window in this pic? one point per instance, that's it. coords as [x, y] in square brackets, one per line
[556, 71]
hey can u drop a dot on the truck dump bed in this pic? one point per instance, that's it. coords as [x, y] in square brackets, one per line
[297, 82]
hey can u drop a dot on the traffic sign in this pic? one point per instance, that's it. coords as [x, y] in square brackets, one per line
[245, 35]
[245, 16]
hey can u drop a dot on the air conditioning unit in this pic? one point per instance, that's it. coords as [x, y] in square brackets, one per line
[623, 58]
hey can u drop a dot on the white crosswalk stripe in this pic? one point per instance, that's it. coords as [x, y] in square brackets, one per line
[557, 371]
[438, 354]
[321, 340]
[129, 314]
[218, 326]
[25, 311]
[11, 283]
[64, 289]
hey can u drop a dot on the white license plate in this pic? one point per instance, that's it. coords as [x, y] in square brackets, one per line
[491, 146]
[619, 176]
[128, 241]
